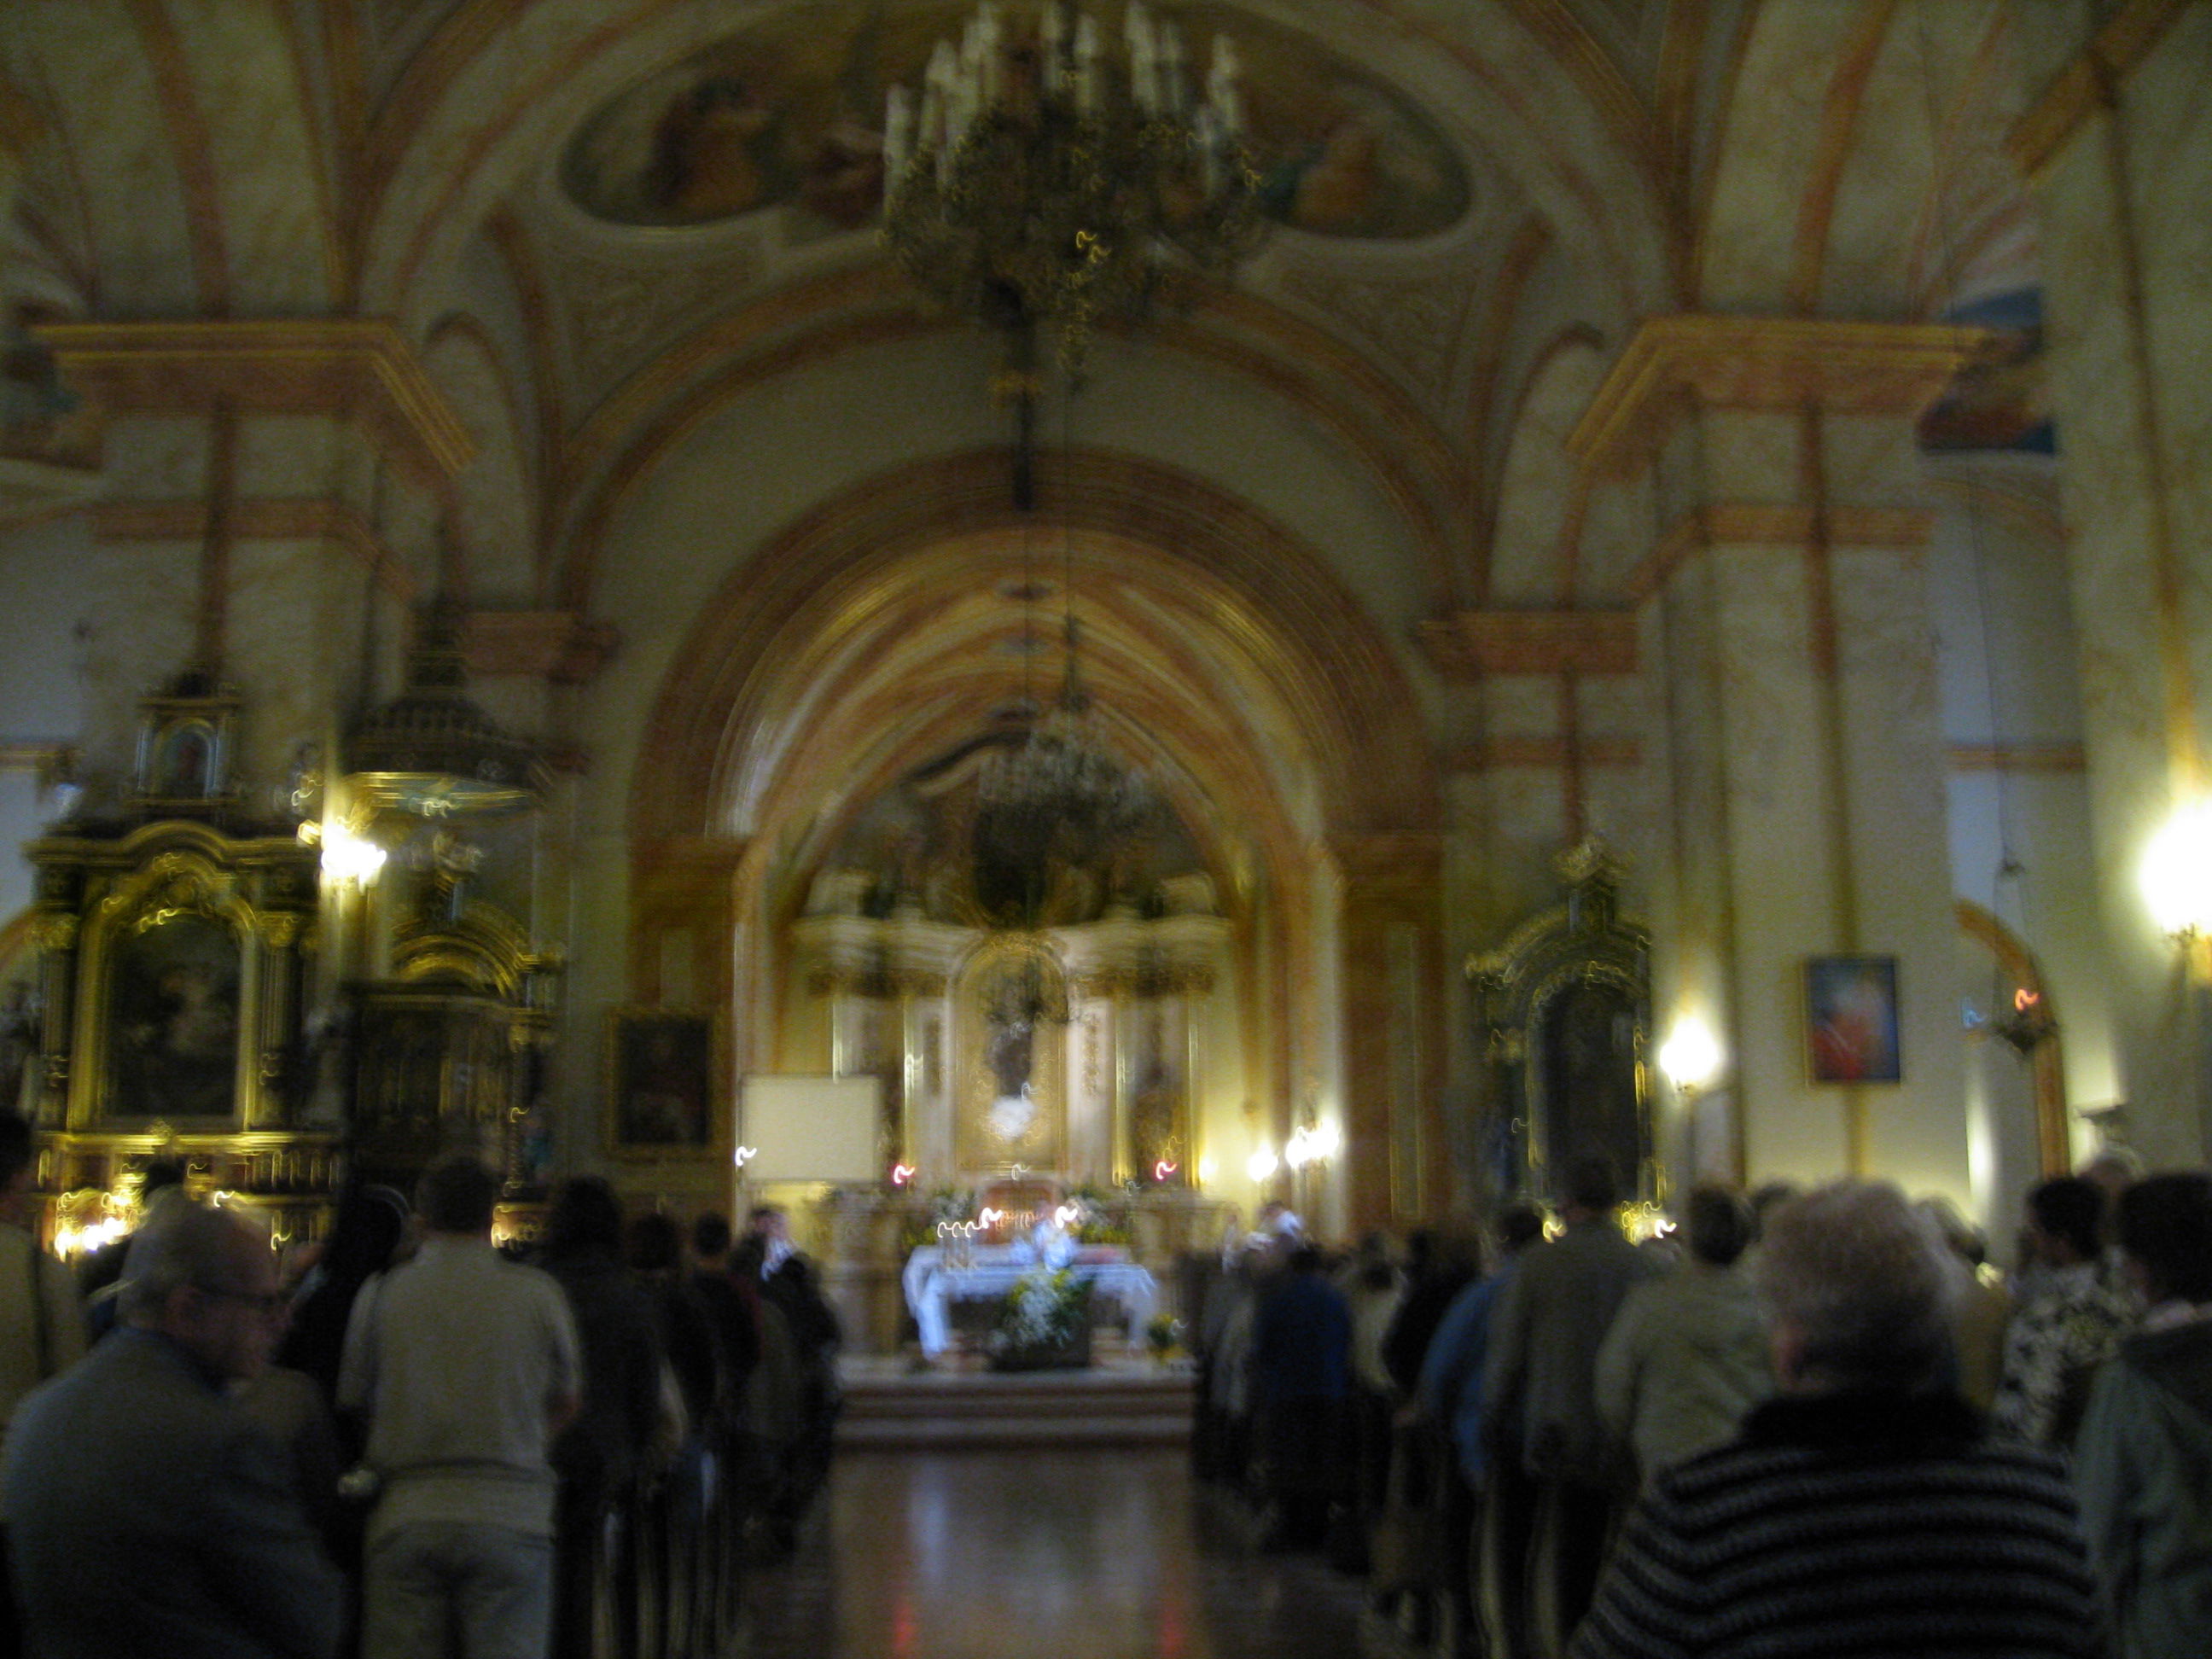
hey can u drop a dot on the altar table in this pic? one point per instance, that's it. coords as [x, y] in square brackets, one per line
[933, 1285]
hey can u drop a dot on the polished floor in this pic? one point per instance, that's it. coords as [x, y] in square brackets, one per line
[1048, 1554]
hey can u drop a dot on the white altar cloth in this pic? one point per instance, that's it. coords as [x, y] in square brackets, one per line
[932, 1286]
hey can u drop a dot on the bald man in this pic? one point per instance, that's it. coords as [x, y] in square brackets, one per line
[146, 1513]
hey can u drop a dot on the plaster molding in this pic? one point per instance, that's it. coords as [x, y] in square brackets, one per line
[193, 151]
[350, 367]
[558, 646]
[1778, 524]
[1695, 360]
[2089, 84]
[280, 519]
[1543, 753]
[2034, 758]
[1470, 644]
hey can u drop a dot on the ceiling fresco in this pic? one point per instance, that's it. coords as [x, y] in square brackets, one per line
[789, 114]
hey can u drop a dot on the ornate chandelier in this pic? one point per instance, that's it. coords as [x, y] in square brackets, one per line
[1037, 182]
[1061, 774]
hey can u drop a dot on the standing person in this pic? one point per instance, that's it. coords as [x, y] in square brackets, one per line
[146, 1513]
[2069, 1325]
[2143, 1461]
[41, 1322]
[1538, 1397]
[1452, 1395]
[465, 1364]
[1301, 1376]
[1864, 1509]
[601, 1456]
[1687, 1356]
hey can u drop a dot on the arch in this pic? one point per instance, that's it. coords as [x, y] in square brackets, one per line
[1302, 631]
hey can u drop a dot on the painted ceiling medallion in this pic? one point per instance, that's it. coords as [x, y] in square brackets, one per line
[790, 114]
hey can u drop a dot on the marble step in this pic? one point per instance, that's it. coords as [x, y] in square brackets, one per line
[1094, 1407]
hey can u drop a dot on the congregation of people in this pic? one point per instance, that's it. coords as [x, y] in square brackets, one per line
[1787, 1422]
[413, 1443]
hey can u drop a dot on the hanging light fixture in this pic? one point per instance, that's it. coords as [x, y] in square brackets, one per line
[1039, 181]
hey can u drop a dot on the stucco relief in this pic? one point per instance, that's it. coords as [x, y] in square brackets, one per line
[616, 311]
[1415, 324]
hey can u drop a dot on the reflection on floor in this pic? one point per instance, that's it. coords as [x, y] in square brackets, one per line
[1061, 1555]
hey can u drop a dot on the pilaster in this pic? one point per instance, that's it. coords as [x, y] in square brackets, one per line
[1786, 621]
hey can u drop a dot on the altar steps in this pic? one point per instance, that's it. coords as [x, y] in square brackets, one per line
[946, 1411]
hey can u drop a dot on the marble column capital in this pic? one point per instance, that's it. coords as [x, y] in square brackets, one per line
[1676, 366]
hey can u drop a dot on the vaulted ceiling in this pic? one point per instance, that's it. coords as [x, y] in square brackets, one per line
[1550, 172]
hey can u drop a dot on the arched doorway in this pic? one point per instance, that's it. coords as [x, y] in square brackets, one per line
[873, 640]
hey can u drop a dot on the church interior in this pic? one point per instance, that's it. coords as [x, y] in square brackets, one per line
[1507, 577]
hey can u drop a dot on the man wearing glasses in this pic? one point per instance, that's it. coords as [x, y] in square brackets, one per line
[146, 1513]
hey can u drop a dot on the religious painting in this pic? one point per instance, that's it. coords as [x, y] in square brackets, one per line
[1851, 1020]
[790, 114]
[660, 1088]
[173, 1000]
[1012, 1032]
[1588, 1067]
[2001, 402]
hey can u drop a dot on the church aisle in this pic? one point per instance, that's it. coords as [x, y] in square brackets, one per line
[1080, 1554]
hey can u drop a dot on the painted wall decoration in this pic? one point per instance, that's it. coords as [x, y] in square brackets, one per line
[790, 114]
[2002, 403]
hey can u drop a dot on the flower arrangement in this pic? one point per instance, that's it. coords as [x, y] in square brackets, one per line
[1045, 1321]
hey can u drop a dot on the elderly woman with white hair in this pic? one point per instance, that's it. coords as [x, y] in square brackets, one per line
[1864, 1510]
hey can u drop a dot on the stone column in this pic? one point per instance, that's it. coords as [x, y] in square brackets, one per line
[1792, 661]
[2120, 174]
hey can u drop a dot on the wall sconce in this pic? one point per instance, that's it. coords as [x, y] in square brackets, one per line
[745, 1155]
[348, 857]
[1262, 1163]
[2175, 877]
[1691, 1057]
[1312, 1144]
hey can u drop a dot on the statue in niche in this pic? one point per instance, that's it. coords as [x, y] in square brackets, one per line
[1009, 1050]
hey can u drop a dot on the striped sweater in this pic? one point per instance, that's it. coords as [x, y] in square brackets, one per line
[1853, 1526]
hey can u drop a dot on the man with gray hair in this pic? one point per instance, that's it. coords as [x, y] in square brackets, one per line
[1864, 1509]
[148, 1513]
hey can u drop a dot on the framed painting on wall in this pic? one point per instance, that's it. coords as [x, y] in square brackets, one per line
[1850, 1020]
[660, 1083]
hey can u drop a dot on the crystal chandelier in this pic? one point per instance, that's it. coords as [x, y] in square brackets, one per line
[1038, 182]
[1061, 772]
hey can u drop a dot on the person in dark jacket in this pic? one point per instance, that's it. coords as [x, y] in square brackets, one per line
[601, 1456]
[1301, 1378]
[2143, 1461]
[1866, 1508]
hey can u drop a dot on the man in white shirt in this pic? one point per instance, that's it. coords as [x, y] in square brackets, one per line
[467, 1366]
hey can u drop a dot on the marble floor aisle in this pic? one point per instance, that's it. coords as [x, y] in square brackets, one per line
[1060, 1554]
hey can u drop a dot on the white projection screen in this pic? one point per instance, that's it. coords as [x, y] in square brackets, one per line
[810, 1128]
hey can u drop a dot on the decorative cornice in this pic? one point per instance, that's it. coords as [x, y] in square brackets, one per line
[553, 645]
[1470, 644]
[1543, 753]
[1778, 524]
[278, 519]
[2049, 757]
[2086, 84]
[358, 366]
[1765, 362]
